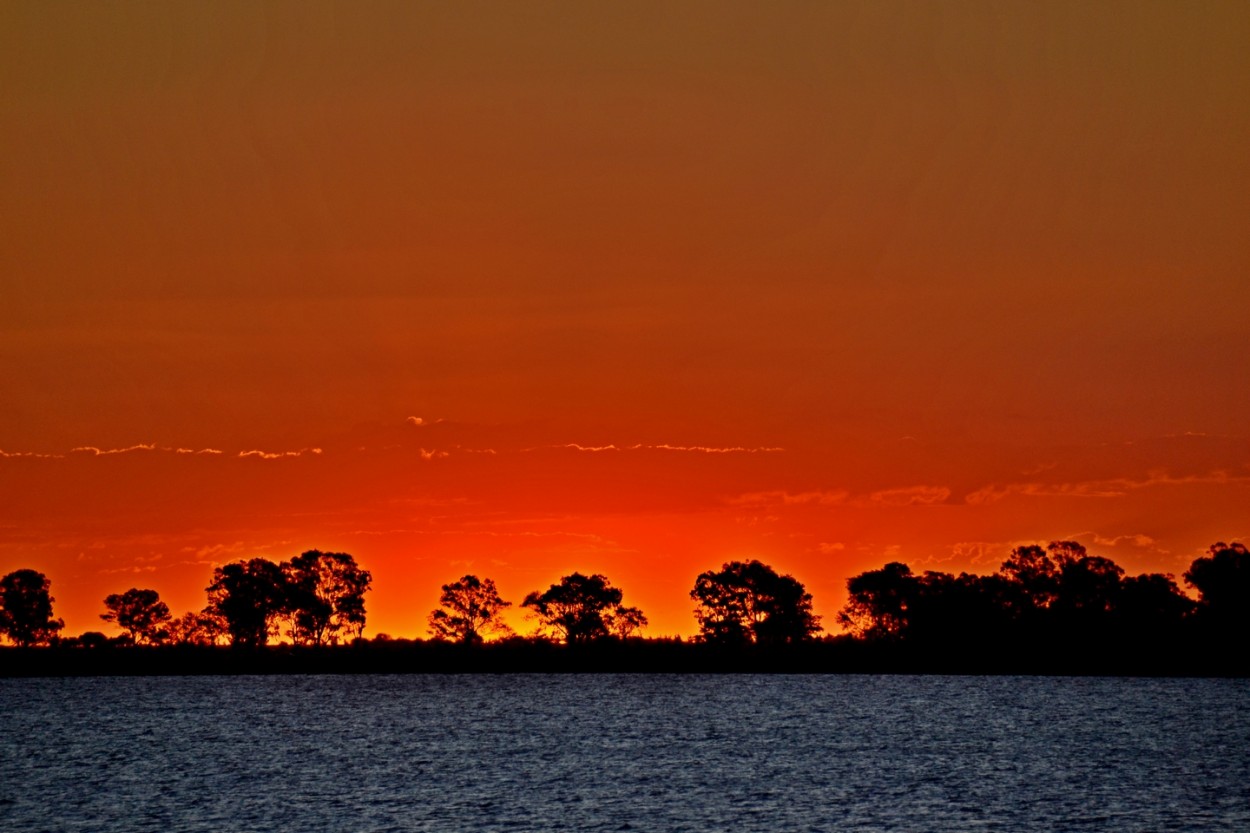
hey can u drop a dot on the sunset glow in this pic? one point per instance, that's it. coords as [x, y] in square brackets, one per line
[523, 289]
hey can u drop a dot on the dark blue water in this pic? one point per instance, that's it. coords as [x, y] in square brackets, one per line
[647, 753]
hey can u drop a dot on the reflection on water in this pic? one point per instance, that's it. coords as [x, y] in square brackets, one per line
[654, 753]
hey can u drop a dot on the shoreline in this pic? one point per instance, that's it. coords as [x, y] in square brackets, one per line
[638, 657]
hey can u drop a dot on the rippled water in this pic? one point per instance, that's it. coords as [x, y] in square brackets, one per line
[650, 753]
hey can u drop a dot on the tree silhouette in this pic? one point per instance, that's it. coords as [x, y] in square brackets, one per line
[1152, 604]
[325, 596]
[140, 613]
[1088, 586]
[1222, 579]
[469, 611]
[1050, 603]
[196, 628]
[624, 622]
[750, 602]
[881, 602]
[577, 609]
[26, 608]
[1033, 570]
[248, 596]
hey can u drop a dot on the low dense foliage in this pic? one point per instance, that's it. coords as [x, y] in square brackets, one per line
[1051, 607]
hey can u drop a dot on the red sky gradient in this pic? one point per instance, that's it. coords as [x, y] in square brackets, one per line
[638, 288]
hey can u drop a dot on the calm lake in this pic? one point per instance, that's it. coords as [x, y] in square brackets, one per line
[640, 752]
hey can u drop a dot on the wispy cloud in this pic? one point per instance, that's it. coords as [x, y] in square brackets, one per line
[278, 455]
[99, 452]
[31, 454]
[910, 496]
[903, 496]
[96, 451]
[1137, 540]
[1108, 488]
[698, 449]
[703, 449]
[783, 498]
[213, 553]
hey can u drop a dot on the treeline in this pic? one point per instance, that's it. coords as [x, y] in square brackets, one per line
[318, 599]
[1058, 606]
[1052, 609]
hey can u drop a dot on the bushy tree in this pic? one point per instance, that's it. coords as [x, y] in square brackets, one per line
[248, 596]
[469, 612]
[1222, 579]
[140, 613]
[196, 628]
[881, 602]
[26, 608]
[325, 596]
[624, 622]
[1152, 603]
[1088, 586]
[578, 609]
[750, 602]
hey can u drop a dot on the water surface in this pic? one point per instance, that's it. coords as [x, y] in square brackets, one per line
[633, 752]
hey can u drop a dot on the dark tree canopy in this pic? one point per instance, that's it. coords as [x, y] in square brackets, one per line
[1152, 601]
[1058, 596]
[1222, 579]
[750, 602]
[893, 603]
[1088, 585]
[248, 596]
[196, 628]
[579, 608]
[469, 611]
[325, 596]
[26, 608]
[319, 595]
[624, 622]
[140, 613]
[880, 601]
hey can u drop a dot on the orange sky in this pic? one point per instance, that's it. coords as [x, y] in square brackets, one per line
[632, 288]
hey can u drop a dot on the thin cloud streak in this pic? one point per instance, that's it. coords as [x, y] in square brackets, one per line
[699, 449]
[96, 451]
[278, 455]
[898, 497]
[1111, 488]
[91, 449]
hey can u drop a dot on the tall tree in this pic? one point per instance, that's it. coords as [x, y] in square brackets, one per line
[248, 596]
[469, 611]
[1222, 579]
[140, 613]
[1033, 570]
[577, 610]
[1089, 584]
[325, 596]
[881, 602]
[26, 608]
[750, 602]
